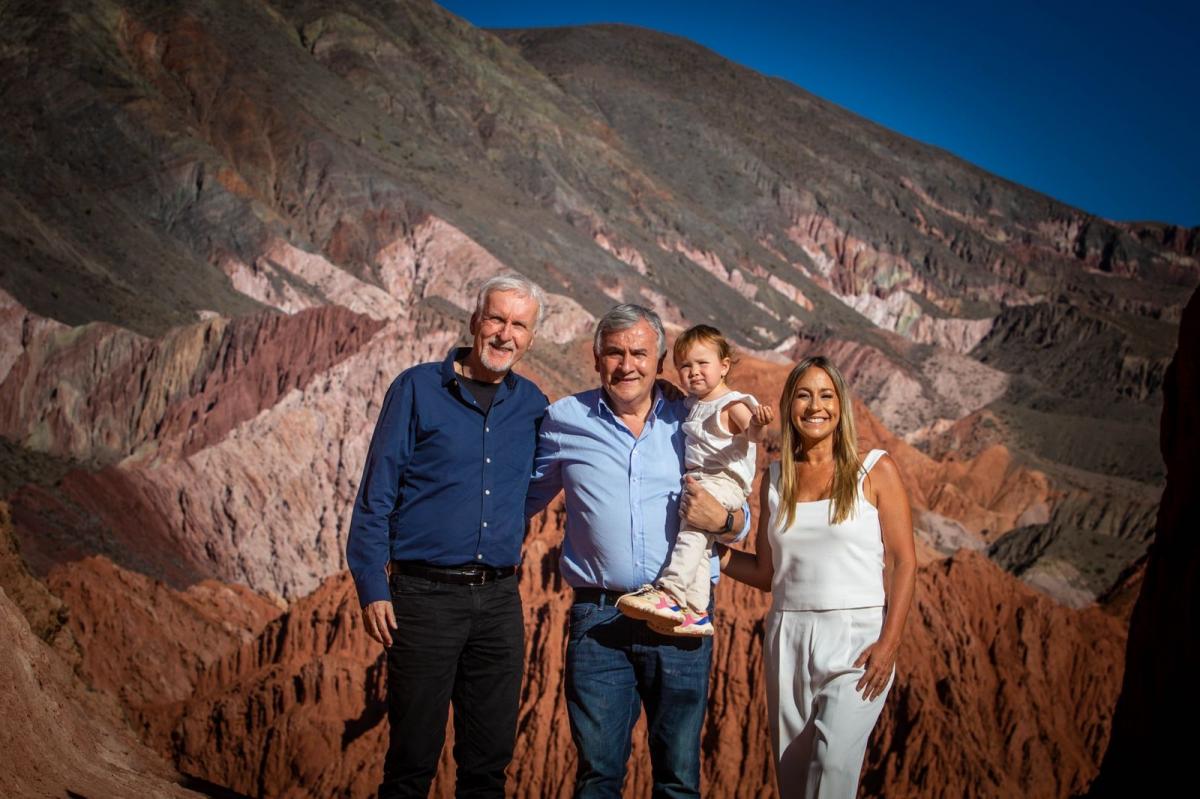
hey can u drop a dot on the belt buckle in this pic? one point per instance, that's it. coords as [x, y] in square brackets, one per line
[475, 577]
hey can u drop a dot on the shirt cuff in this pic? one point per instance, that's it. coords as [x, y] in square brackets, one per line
[373, 588]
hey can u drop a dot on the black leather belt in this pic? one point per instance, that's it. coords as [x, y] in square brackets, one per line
[598, 596]
[470, 574]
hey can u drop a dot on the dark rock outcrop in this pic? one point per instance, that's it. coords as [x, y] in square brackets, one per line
[1149, 751]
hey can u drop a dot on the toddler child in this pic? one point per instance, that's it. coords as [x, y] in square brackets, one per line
[722, 428]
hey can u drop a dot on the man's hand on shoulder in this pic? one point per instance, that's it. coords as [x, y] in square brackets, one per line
[380, 620]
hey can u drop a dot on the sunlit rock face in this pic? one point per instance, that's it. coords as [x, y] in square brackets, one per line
[225, 228]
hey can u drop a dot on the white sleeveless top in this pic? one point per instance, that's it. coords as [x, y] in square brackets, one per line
[823, 566]
[711, 448]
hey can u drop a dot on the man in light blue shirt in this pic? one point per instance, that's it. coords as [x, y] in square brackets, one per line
[617, 453]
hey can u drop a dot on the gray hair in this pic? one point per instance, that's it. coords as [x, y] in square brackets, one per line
[521, 286]
[623, 317]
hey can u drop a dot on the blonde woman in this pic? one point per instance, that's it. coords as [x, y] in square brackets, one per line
[835, 549]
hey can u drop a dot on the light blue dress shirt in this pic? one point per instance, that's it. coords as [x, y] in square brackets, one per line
[622, 492]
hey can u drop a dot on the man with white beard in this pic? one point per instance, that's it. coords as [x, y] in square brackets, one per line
[435, 540]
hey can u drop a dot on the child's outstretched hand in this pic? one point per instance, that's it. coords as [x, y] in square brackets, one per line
[762, 415]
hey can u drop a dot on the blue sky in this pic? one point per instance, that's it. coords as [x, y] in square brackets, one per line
[1096, 104]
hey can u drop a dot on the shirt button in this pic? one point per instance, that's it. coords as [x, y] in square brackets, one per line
[487, 491]
[487, 460]
[485, 524]
[487, 429]
[479, 556]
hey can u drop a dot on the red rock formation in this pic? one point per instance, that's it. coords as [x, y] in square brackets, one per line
[111, 511]
[300, 711]
[43, 611]
[301, 705]
[978, 706]
[1152, 745]
[58, 738]
[296, 712]
[144, 643]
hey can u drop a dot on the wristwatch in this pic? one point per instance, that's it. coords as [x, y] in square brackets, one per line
[728, 528]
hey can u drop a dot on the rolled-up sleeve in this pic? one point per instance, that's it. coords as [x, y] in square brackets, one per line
[368, 547]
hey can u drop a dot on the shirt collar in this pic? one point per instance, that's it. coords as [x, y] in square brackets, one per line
[656, 404]
[456, 353]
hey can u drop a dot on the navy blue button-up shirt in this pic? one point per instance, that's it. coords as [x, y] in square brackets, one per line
[444, 483]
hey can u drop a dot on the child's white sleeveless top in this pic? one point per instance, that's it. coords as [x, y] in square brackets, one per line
[710, 447]
[823, 566]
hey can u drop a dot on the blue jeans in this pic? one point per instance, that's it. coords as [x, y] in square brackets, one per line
[614, 665]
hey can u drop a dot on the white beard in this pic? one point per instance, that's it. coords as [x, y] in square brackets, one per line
[488, 359]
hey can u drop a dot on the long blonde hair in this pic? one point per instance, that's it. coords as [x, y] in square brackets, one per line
[846, 464]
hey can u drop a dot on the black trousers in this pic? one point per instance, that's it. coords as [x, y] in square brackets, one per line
[460, 644]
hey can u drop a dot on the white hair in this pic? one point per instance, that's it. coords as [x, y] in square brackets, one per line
[517, 284]
[623, 317]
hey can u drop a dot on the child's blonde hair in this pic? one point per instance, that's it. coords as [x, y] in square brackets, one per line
[701, 334]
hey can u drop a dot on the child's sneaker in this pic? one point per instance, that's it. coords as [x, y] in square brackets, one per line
[692, 626]
[650, 604]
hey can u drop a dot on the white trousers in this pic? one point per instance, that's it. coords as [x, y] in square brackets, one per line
[687, 576]
[820, 723]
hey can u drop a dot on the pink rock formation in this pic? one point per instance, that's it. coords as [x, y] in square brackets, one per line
[209, 407]
[100, 393]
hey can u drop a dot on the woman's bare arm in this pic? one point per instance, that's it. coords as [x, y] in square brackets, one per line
[754, 569]
[900, 574]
